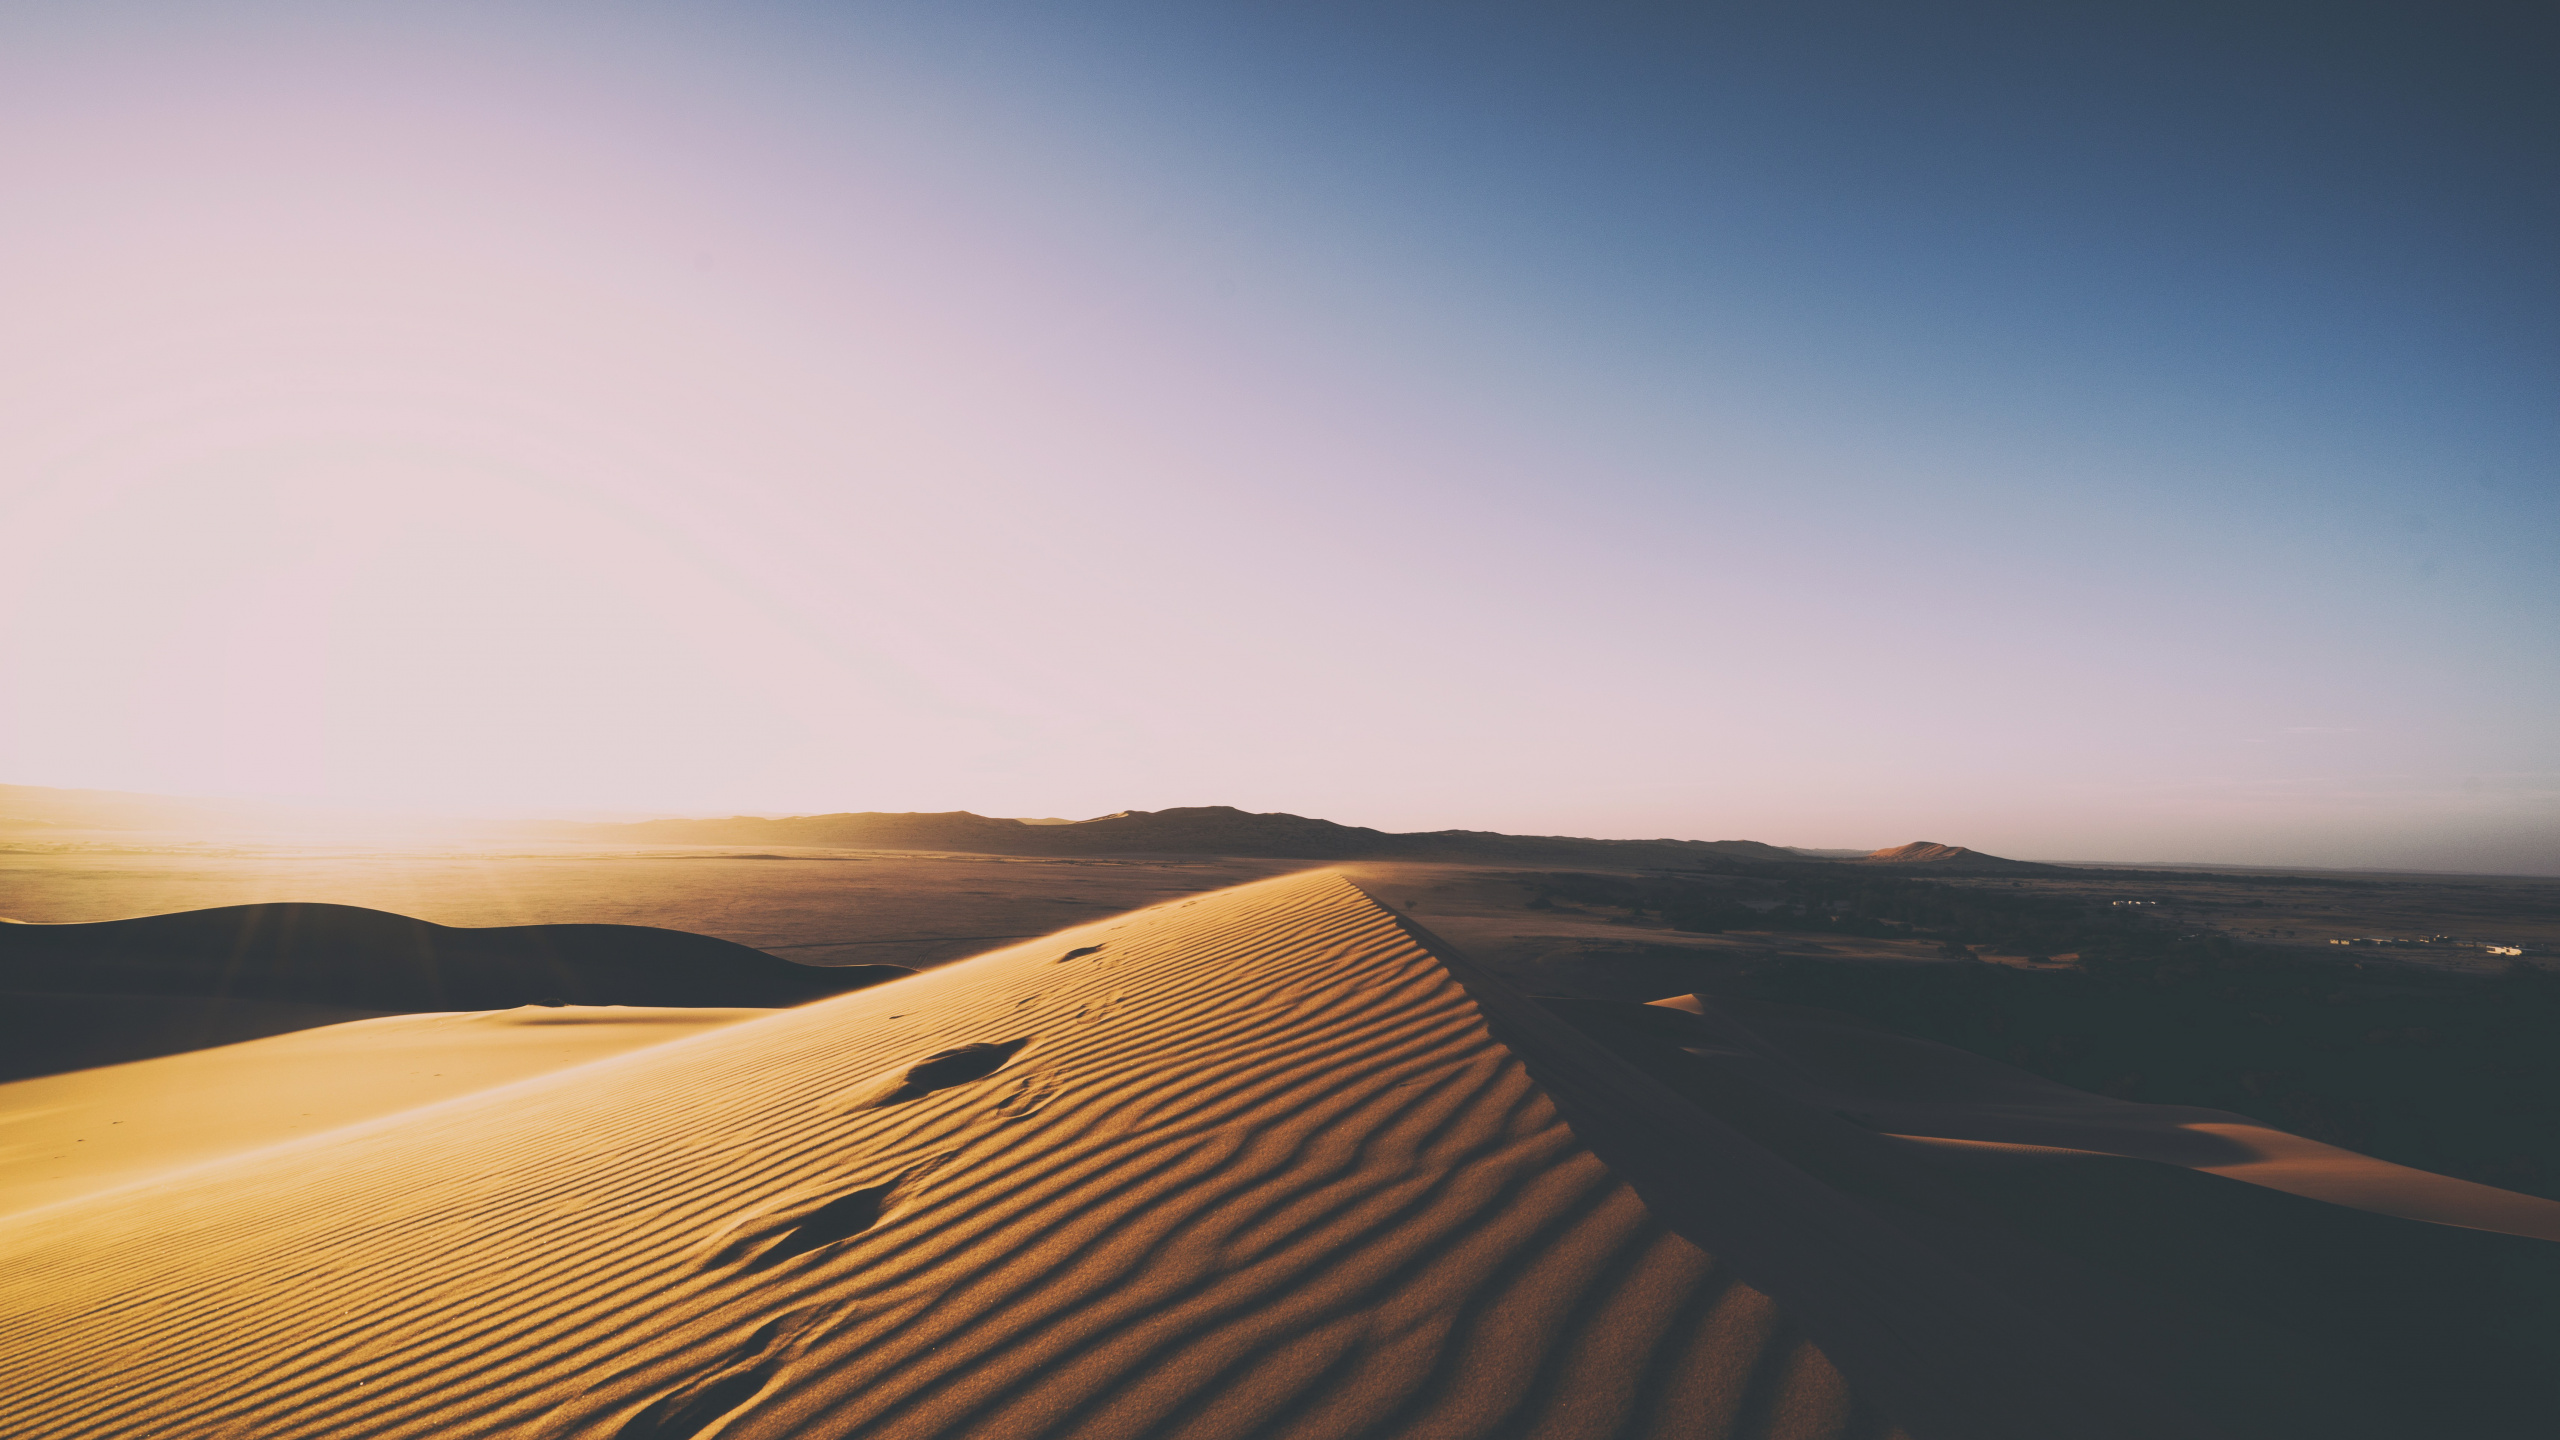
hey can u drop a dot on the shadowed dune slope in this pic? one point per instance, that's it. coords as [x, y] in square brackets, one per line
[1920, 1089]
[2123, 1230]
[1249, 1164]
[131, 989]
[50, 1033]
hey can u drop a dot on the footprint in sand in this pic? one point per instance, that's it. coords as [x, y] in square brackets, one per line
[842, 1218]
[690, 1411]
[698, 1405]
[839, 1219]
[1027, 1096]
[938, 1071]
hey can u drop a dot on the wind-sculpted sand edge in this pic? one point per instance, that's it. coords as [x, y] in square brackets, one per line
[2023, 1291]
[1246, 1164]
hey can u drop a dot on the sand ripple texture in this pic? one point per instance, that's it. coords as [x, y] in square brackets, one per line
[1243, 1165]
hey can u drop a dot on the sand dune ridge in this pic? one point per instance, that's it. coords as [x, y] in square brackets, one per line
[1272, 1162]
[1279, 1180]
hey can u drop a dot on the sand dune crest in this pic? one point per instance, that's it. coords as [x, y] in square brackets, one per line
[1259, 1170]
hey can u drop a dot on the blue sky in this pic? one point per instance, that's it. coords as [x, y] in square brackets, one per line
[2103, 432]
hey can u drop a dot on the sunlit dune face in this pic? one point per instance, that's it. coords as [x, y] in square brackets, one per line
[1221, 1164]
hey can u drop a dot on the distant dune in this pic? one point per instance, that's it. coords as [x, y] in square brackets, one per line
[1945, 857]
[1274, 1162]
[125, 989]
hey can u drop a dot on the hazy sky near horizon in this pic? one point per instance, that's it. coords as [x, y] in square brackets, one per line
[2117, 431]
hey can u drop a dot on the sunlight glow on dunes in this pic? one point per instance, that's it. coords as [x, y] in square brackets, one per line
[1257, 1168]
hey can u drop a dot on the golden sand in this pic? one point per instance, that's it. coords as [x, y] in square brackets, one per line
[1257, 1167]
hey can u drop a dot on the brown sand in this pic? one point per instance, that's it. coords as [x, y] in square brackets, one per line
[1256, 1168]
[70, 1135]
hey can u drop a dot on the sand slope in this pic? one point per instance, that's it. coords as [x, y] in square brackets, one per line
[1782, 1139]
[1253, 1166]
[1952, 1098]
[64, 1136]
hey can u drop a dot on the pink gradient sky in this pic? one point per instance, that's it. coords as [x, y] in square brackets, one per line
[652, 410]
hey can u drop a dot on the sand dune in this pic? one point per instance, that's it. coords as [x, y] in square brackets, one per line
[1272, 1162]
[1945, 857]
[1923, 851]
[70, 1135]
[257, 969]
[1259, 1169]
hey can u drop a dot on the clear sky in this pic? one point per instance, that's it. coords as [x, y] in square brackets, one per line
[2072, 431]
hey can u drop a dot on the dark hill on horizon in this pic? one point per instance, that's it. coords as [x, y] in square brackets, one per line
[231, 973]
[1181, 831]
[1188, 830]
